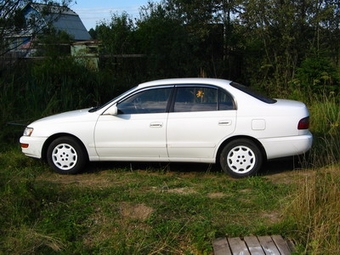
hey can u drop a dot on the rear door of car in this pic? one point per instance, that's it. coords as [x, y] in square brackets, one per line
[200, 118]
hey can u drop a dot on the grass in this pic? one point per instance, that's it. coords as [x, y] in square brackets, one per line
[118, 208]
[325, 125]
[314, 212]
[113, 210]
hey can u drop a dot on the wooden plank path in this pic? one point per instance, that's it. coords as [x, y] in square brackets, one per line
[252, 245]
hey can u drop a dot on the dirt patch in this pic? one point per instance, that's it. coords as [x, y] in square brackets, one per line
[182, 191]
[99, 180]
[136, 212]
[289, 177]
[272, 217]
[216, 195]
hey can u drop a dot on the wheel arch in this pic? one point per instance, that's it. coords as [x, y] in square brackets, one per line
[254, 140]
[55, 136]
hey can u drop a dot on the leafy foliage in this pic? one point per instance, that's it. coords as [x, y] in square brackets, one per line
[318, 76]
[116, 36]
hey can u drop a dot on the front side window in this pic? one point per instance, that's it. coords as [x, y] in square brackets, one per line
[153, 100]
[190, 99]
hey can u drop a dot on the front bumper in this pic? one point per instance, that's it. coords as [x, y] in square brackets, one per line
[32, 146]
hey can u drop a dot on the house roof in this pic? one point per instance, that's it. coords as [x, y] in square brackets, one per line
[61, 18]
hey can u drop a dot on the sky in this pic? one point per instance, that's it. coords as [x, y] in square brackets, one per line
[93, 12]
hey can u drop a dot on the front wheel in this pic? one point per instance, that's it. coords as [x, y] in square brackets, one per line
[241, 158]
[65, 155]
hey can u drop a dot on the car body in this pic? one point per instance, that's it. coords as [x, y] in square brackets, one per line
[175, 120]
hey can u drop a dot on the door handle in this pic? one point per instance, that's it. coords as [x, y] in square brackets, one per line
[156, 124]
[224, 122]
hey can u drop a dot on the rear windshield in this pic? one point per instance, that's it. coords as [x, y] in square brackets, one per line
[253, 93]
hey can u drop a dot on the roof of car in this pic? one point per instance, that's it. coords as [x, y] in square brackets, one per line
[185, 81]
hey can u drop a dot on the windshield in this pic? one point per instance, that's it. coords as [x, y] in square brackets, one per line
[96, 108]
[253, 93]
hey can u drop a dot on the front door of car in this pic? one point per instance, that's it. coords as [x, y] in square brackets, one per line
[201, 117]
[138, 130]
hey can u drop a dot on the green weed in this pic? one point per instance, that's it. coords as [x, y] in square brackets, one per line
[325, 126]
[120, 211]
[314, 213]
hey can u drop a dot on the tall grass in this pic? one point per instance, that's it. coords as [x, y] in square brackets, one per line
[31, 90]
[315, 213]
[325, 125]
[314, 210]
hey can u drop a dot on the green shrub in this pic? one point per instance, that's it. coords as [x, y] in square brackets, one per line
[317, 76]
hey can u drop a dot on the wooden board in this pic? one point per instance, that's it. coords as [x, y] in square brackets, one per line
[238, 246]
[252, 245]
[221, 247]
[282, 245]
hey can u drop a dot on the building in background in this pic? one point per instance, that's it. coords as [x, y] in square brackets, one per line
[37, 18]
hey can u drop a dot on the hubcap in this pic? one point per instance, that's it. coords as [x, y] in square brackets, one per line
[241, 159]
[64, 156]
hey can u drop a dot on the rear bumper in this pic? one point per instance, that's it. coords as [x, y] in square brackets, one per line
[287, 146]
[32, 146]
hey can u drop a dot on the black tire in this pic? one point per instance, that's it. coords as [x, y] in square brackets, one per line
[241, 158]
[66, 155]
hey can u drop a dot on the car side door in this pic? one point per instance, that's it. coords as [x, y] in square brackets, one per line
[138, 130]
[201, 117]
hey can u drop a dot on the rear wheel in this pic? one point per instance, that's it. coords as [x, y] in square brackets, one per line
[66, 155]
[241, 158]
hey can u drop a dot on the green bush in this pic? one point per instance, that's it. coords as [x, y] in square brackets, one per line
[317, 76]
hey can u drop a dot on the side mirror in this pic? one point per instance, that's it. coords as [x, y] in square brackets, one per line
[113, 110]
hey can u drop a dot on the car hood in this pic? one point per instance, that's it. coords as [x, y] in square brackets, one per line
[71, 116]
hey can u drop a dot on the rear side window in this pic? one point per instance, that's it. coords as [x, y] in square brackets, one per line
[199, 98]
[226, 101]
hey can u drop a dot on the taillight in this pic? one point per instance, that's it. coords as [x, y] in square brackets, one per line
[304, 123]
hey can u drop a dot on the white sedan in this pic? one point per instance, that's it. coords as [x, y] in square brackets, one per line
[175, 120]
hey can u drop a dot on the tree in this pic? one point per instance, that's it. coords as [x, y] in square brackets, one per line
[317, 76]
[117, 36]
[164, 39]
[289, 33]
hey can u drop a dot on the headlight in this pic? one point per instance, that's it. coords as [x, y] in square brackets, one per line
[28, 131]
